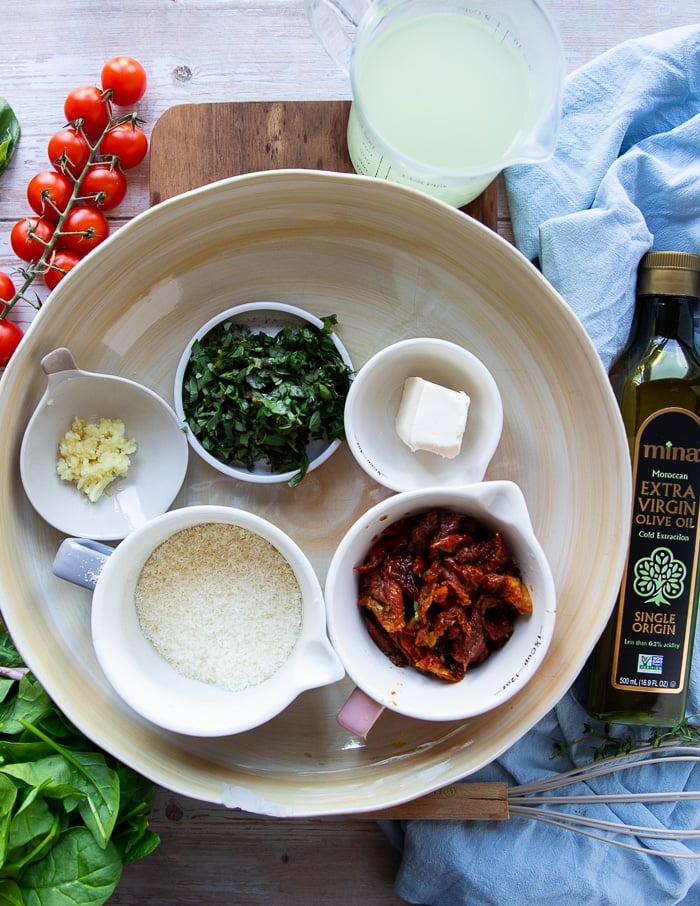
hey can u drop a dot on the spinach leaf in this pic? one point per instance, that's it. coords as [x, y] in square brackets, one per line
[52, 774]
[70, 815]
[132, 835]
[9, 133]
[8, 797]
[33, 828]
[76, 872]
[10, 894]
[30, 703]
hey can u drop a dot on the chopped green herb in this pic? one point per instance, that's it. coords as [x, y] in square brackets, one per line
[252, 397]
[9, 133]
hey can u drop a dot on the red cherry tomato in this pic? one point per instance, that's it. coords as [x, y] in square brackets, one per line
[68, 151]
[126, 79]
[29, 237]
[103, 187]
[49, 192]
[89, 105]
[7, 287]
[127, 142]
[83, 229]
[10, 336]
[59, 265]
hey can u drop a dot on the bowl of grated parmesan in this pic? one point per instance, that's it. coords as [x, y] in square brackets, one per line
[207, 621]
[101, 454]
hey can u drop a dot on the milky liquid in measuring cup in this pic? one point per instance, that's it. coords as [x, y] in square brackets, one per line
[443, 89]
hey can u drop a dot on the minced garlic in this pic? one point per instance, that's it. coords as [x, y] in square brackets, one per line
[93, 454]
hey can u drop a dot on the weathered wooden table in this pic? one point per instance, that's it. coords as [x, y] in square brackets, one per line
[231, 51]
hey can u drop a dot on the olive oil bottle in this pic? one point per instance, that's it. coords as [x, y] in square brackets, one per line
[641, 665]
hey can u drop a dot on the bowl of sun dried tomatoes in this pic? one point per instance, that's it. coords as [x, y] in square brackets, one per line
[440, 604]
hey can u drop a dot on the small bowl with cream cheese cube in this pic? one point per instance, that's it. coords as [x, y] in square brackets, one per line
[423, 412]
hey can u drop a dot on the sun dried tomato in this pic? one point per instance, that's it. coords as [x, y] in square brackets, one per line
[440, 592]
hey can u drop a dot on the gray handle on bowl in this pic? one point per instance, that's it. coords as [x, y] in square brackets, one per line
[59, 360]
[80, 560]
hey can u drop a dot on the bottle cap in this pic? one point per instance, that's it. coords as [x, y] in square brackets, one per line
[669, 274]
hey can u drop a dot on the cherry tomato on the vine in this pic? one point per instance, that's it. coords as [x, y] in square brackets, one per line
[125, 78]
[83, 229]
[10, 336]
[89, 105]
[30, 236]
[126, 141]
[68, 151]
[103, 187]
[59, 265]
[49, 192]
[7, 287]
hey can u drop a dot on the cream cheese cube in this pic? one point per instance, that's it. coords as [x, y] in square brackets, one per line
[432, 417]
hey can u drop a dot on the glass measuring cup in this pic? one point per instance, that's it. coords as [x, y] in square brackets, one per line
[445, 94]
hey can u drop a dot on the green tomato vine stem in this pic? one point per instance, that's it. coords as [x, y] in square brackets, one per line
[43, 264]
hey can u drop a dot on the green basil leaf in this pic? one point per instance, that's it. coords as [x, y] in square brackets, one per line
[9, 133]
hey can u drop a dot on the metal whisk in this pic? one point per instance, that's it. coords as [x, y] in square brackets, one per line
[526, 800]
[497, 801]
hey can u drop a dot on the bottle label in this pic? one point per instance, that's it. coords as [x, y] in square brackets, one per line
[654, 625]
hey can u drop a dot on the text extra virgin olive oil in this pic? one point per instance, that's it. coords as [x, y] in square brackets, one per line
[641, 665]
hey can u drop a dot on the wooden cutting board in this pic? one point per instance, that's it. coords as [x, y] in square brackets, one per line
[236, 138]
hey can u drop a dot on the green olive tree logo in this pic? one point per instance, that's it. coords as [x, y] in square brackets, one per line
[659, 578]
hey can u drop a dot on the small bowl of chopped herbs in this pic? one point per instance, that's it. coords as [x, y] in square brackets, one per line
[261, 391]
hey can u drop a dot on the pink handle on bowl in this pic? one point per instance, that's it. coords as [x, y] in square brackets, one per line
[359, 713]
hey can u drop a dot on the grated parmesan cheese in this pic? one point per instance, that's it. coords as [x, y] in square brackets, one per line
[220, 604]
[93, 454]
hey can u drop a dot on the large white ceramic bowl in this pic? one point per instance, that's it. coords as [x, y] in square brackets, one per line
[392, 264]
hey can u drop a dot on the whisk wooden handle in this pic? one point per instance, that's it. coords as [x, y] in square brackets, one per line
[458, 802]
[497, 802]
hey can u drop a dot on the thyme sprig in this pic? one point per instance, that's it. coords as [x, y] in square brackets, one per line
[605, 744]
[38, 268]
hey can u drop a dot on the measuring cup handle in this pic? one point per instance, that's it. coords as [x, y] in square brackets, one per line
[359, 713]
[80, 561]
[334, 24]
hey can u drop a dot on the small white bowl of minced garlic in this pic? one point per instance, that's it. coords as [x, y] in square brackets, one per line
[207, 621]
[101, 454]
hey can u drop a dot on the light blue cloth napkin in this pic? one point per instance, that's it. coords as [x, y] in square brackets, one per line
[625, 178]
